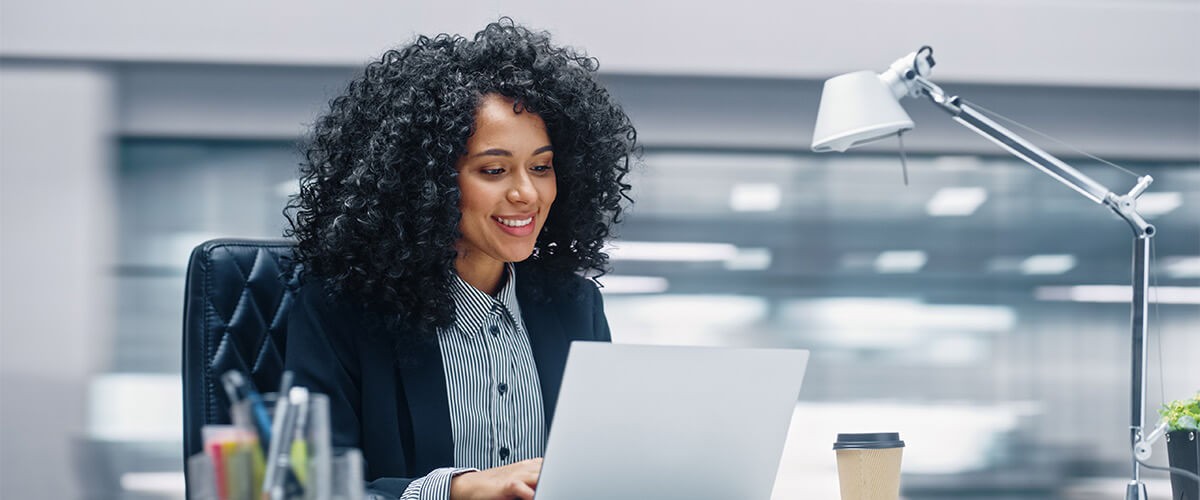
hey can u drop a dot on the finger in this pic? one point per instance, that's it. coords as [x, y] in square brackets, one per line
[520, 490]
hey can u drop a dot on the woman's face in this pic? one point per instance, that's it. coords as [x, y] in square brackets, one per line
[507, 183]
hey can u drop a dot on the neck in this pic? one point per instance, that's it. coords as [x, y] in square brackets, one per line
[483, 276]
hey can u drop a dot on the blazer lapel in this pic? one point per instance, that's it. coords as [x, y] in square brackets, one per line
[424, 384]
[549, 343]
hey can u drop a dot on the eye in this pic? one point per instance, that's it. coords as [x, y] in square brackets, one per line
[543, 168]
[492, 170]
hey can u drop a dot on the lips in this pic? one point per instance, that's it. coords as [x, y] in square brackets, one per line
[516, 225]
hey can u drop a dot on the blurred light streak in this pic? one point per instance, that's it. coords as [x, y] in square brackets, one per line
[1117, 294]
[670, 251]
[1155, 204]
[900, 261]
[624, 284]
[957, 163]
[956, 350]
[1181, 267]
[672, 319]
[763, 197]
[686, 311]
[891, 323]
[750, 259]
[956, 201]
[1048, 264]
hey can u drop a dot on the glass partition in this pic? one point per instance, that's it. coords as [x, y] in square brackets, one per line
[979, 310]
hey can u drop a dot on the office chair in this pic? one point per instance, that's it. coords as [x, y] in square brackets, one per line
[236, 305]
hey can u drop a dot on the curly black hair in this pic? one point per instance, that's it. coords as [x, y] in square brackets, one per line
[377, 215]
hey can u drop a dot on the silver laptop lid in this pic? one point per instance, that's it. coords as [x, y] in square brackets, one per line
[659, 422]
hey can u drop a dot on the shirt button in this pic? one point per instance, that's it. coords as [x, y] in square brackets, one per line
[504, 453]
[495, 330]
[503, 388]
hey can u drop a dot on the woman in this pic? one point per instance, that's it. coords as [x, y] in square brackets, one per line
[450, 201]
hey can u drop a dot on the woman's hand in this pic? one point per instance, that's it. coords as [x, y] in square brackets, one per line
[501, 483]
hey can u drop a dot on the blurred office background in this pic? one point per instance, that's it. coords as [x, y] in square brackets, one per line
[980, 310]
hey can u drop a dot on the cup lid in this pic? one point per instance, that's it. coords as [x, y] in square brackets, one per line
[868, 441]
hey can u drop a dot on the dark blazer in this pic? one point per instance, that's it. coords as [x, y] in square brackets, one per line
[398, 413]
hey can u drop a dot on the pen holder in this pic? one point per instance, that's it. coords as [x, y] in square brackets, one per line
[298, 462]
[346, 481]
[347, 478]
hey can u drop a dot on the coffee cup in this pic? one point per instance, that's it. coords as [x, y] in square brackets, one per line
[869, 465]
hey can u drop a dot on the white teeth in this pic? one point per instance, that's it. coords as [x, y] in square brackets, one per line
[515, 223]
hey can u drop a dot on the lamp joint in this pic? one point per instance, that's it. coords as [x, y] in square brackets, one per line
[1125, 206]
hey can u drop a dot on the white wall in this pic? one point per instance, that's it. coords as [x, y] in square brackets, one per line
[1114, 43]
[171, 100]
[56, 206]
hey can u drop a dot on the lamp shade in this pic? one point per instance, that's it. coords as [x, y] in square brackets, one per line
[857, 108]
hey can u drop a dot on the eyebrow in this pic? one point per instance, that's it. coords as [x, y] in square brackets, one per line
[507, 153]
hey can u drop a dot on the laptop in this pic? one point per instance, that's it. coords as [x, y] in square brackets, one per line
[665, 422]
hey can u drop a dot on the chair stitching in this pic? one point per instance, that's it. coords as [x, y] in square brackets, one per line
[270, 324]
[243, 293]
[244, 276]
[258, 356]
[278, 308]
[266, 337]
[254, 267]
[210, 404]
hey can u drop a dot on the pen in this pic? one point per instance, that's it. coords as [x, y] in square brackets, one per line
[281, 481]
[238, 387]
[299, 451]
[272, 484]
[285, 382]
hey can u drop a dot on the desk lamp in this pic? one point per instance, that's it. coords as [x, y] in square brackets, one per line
[862, 107]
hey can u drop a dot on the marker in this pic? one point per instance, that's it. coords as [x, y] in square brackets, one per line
[239, 388]
[299, 452]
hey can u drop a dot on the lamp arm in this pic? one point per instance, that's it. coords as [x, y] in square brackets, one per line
[1124, 206]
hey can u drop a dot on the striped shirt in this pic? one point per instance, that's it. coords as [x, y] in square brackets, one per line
[496, 410]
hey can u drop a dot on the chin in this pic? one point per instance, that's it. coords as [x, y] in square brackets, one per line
[518, 255]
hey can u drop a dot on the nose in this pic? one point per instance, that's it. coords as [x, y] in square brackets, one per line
[522, 190]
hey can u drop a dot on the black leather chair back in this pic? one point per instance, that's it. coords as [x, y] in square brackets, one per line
[235, 317]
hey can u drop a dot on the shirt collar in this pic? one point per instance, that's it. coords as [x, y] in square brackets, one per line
[472, 306]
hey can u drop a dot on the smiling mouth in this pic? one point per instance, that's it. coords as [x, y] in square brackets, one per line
[514, 222]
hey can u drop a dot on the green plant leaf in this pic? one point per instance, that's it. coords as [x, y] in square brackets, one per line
[1182, 414]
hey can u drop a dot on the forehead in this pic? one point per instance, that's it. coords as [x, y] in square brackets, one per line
[496, 121]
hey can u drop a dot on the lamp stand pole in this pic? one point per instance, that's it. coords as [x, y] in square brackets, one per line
[1124, 206]
[1135, 489]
